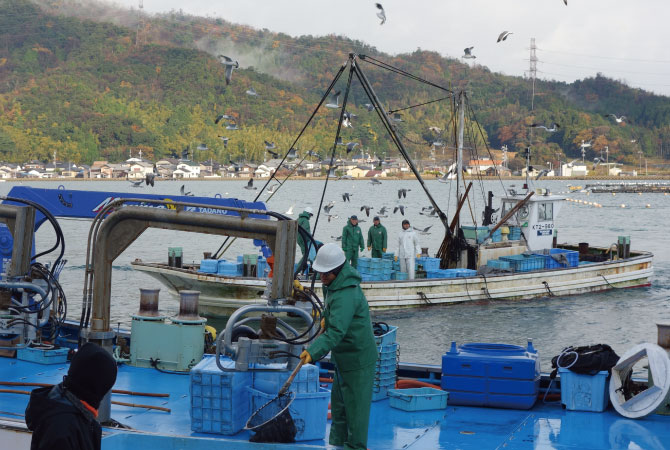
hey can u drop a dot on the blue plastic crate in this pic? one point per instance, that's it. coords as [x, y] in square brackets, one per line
[307, 380]
[385, 378]
[388, 255]
[209, 266]
[309, 411]
[418, 399]
[464, 273]
[397, 275]
[495, 375]
[387, 264]
[584, 392]
[376, 264]
[43, 355]
[388, 351]
[525, 263]
[381, 392]
[429, 264]
[550, 263]
[367, 277]
[388, 338]
[219, 400]
[498, 264]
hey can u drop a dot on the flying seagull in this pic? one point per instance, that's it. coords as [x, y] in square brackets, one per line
[351, 146]
[566, 2]
[346, 119]
[292, 153]
[289, 212]
[230, 65]
[328, 207]
[381, 14]
[269, 145]
[184, 192]
[542, 173]
[345, 197]
[275, 155]
[369, 106]
[338, 238]
[618, 119]
[403, 192]
[366, 209]
[382, 212]
[331, 171]
[136, 183]
[272, 189]
[423, 230]
[400, 208]
[335, 105]
[428, 212]
[251, 91]
[554, 127]
[468, 53]
[332, 216]
[223, 116]
[225, 141]
[504, 35]
[397, 117]
[435, 129]
[250, 185]
[151, 176]
[236, 167]
[232, 126]
[375, 181]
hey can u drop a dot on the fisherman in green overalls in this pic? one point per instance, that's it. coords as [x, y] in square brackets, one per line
[352, 240]
[377, 238]
[348, 335]
[303, 221]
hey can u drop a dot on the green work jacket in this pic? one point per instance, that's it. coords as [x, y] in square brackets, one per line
[377, 238]
[303, 221]
[352, 237]
[348, 334]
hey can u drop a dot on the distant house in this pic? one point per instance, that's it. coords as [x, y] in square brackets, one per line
[34, 164]
[358, 171]
[182, 172]
[480, 166]
[111, 170]
[139, 169]
[188, 167]
[374, 174]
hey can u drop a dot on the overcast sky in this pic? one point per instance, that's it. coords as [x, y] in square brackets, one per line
[624, 40]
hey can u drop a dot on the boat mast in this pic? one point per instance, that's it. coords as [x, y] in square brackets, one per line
[459, 154]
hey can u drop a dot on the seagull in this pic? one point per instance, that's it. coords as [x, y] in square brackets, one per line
[251, 91]
[269, 145]
[230, 65]
[428, 213]
[435, 129]
[566, 2]
[232, 126]
[183, 192]
[585, 144]
[184, 154]
[236, 166]
[223, 116]
[504, 35]
[293, 153]
[403, 192]
[312, 153]
[369, 106]
[382, 212]
[346, 119]
[202, 147]
[272, 189]
[633, 141]
[225, 141]
[338, 141]
[351, 146]
[335, 105]
[618, 119]
[437, 143]
[338, 238]
[136, 183]
[468, 53]
[397, 117]
[596, 161]
[554, 127]
[381, 14]
[375, 181]
[424, 230]
[331, 171]
[328, 207]
[332, 216]
[366, 209]
[150, 177]
[275, 155]
[400, 208]
[289, 212]
[250, 185]
[346, 197]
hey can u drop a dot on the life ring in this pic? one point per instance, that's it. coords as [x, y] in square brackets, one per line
[649, 400]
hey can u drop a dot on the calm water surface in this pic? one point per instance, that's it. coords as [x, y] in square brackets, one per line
[621, 318]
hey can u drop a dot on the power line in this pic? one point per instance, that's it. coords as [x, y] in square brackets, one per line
[664, 61]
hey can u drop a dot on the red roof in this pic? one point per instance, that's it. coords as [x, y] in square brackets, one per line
[485, 162]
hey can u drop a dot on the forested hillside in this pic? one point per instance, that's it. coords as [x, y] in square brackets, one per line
[81, 81]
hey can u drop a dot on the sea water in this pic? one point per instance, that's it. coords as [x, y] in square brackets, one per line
[620, 317]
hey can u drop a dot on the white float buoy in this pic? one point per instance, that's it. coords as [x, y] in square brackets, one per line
[623, 205]
[648, 205]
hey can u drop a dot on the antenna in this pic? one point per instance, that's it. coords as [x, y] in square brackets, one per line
[140, 23]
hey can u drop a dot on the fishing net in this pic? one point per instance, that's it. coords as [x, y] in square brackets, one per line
[273, 422]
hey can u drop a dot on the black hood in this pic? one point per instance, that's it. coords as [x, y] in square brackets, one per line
[92, 374]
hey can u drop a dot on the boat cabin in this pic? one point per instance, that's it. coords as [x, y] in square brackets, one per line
[536, 217]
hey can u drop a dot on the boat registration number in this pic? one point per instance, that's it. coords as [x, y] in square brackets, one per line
[544, 232]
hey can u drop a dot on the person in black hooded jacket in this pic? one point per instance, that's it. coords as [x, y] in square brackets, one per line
[63, 417]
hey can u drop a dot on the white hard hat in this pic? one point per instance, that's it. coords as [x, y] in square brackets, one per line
[329, 257]
[309, 210]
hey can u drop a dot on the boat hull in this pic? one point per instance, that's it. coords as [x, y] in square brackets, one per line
[221, 295]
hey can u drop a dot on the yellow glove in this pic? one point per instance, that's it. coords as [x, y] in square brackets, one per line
[418, 255]
[369, 248]
[306, 357]
[384, 250]
[323, 324]
[297, 286]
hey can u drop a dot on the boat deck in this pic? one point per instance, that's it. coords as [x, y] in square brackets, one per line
[544, 426]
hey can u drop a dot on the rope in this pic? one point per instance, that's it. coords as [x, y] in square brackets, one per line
[608, 283]
[546, 286]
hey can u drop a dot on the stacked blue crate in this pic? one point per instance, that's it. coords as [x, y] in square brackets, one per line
[514, 233]
[270, 381]
[572, 257]
[398, 275]
[219, 400]
[388, 255]
[497, 236]
[385, 371]
[499, 264]
[209, 266]
[525, 263]
[429, 264]
[227, 268]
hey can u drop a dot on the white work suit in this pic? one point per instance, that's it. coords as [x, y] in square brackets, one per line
[408, 247]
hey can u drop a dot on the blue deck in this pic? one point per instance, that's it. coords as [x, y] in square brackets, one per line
[545, 426]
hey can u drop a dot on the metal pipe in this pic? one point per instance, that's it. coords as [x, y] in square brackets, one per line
[227, 335]
[25, 286]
